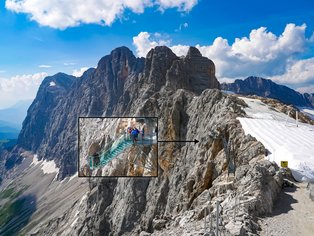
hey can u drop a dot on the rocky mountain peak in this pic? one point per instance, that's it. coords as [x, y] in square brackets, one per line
[193, 72]
[60, 80]
[119, 81]
[50, 92]
[119, 63]
[157, 62]
[193, 52]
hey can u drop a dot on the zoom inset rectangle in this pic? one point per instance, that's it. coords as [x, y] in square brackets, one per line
[117, 146]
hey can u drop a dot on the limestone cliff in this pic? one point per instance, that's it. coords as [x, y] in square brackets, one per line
[184, 94]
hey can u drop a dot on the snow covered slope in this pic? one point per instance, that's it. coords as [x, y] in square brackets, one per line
[284, 140]
[307, 111]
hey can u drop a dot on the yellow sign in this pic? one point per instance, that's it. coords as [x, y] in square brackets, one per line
[284, 164]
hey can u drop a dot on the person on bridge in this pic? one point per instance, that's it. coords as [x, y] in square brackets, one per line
[129, 132]
[134, 135]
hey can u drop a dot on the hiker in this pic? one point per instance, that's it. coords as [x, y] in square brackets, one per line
[134, 134]
[129, 132]
[96, 159]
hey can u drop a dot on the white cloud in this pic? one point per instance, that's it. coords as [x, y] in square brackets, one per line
[63, 14]
[307, 89]
[44, 66]
[182, 26]
[299, 71]
[145, 41]
[262, 53]
[79, 72]
[182, 5]
[69, 63]
[19, 87]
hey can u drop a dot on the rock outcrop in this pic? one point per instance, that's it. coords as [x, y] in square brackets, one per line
[119, 82]
[269, 89]
[183, 93]
[191, 177]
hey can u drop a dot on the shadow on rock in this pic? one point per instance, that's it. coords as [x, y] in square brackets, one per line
[14, 215]
[284, 201]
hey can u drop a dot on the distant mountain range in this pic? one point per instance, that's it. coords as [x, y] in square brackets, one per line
[11, 119]
[269, 89]
[16, 114]
[8, 130]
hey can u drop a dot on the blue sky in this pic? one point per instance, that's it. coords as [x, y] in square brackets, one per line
[36, 41]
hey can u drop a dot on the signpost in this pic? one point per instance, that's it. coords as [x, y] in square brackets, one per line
[284, 164]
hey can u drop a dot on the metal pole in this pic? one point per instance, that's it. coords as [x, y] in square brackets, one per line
[287, 118]
[234, 208]
[297, 117]
[217, 217]
[205, 226]
[210, 223]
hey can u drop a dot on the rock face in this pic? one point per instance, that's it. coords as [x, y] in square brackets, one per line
[192, 73]
[120, 79]
[183, 94]
[267, 88]
[310, 98]
[50, 92]
[189, 173]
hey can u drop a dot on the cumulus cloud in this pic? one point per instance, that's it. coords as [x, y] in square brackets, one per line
[44, 66]
[299, 71]
[145, 41]
[182, 5]
[63, 14]
[79, 72]
[262, 53]
[19, 87]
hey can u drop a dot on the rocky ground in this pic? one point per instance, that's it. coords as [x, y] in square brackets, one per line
[293, 213]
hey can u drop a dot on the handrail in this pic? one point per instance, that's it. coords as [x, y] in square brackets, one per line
[150, 165]
[109, 148]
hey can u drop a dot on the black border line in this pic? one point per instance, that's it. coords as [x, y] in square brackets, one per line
[115, 176]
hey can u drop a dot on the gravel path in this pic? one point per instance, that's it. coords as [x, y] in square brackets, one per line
[293, 214]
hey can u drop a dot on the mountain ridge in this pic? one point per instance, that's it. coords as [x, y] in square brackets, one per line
[267, 88]
[119, 80]
[185, 95]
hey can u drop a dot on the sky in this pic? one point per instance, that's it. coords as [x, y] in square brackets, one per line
[271, 39]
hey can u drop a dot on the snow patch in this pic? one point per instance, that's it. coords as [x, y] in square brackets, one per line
[83, 198]
[35, 160]
[49, 167]
[76, 217]
[74, 222]
[307, 111]
[227, 92]
[52, 84]
[73, 176]
[280, 135]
